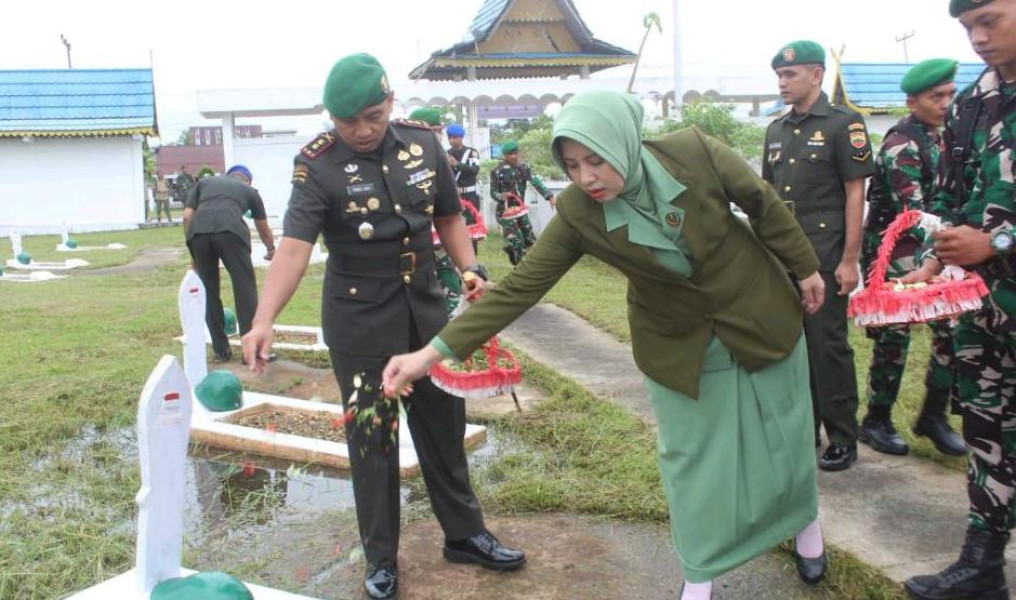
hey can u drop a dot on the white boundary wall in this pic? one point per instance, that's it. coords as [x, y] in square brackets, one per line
[90, 184]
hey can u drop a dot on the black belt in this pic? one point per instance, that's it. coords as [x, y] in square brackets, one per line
[351, 259]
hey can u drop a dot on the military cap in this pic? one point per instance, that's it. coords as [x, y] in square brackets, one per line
[220, 391]
[354, 83]
[958, 7]
[211, 585]
[456, 130]
[801, 52]
[927, 74]
[429, 115]
[509, 147]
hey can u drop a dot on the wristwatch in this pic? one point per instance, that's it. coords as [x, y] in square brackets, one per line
[1002, 241]
[474, 271]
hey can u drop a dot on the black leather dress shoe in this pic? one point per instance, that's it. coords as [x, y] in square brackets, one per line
[484, 549]
[811, 570]
[882, 436]
[937, 429]
[382, 582]
[837, 457]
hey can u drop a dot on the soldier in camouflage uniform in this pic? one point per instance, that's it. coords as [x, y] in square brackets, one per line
[977, 198]
[907, 165]
[509, 179]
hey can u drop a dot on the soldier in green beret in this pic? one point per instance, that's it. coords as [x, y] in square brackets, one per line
[905, 179]
[429, 115]
[507, 189]
[374, 189]
[817, 156]
[976, 197]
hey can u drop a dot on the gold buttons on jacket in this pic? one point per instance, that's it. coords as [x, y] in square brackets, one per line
[352, 291]
[814, 156]
[821, 225]
[673, 219]
[405, 241]
[797, 132]
[384, 169]
[373, 203]
[793, 160]
[786, 189]
[398, 209]
[407, 278]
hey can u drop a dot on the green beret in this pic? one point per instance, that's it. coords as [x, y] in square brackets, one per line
[801, 52]
[958, 7]
[213, 585]
[509, 147]
[927, 74]
[429, 115]
[355, 82]
[220, 391]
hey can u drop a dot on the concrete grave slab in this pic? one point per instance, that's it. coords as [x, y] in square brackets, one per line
[65, 237]
[220, 429]
[70, 263]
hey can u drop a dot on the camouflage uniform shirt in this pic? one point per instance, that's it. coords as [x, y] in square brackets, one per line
[506, 178]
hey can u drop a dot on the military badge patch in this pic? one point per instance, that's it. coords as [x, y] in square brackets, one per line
[415, 150]
[403, 155]
[858, 139]
[789, 54]
[352, 168]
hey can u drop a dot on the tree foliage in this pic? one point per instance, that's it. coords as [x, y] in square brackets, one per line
[718, 121]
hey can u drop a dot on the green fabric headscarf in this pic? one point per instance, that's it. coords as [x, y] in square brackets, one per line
[610, 124]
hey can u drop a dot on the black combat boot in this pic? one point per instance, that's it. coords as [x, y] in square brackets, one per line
[932, 424]
[977, 575]
[877, 431]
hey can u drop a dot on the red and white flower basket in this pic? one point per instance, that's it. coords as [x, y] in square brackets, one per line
[514, 207]
[496, 373]
[951, 293]
[477, 231]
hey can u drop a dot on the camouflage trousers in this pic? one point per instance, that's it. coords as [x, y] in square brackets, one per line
[889, 358]
[518, 235]
[985, 384]
[448, 279]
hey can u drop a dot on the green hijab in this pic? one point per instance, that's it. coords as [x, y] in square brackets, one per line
[610, 124]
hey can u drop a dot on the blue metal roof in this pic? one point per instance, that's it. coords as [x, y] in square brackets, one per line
[77, 102]
[877, 86]
[485, 18]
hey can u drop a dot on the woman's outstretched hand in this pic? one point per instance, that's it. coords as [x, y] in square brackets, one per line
[404, 369]
[812, 292]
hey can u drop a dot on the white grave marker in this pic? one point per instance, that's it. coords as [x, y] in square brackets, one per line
[16, 242]
[191, 300]
[163, 431]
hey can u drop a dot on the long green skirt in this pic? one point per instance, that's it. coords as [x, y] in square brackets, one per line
[738, 464]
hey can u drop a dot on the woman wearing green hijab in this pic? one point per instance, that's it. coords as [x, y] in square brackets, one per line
[716, 326]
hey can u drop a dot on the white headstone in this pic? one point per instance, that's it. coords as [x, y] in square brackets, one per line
[164, 418]
[192, 318]
[65, 235]
[16, 242]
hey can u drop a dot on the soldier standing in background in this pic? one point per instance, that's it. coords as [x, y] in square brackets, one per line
[817, 156]
[508, 185]
[907, 168]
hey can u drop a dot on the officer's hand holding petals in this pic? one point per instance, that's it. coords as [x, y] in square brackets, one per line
[257, 346]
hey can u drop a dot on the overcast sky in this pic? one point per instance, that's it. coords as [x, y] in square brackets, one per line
[221, 44]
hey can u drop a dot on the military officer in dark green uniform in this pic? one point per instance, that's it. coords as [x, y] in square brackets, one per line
[977, 196]
[817, 157]
[373, 188]
[907, 168]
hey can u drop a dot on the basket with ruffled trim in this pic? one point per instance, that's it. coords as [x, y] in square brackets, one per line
[491, 371]
[953, 292]
[478, 229]
[514, 207]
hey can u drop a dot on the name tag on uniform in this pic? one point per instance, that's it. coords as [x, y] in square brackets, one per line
[360, 190]
[420, 176]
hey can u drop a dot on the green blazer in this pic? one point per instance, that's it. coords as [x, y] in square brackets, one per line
[739, 290]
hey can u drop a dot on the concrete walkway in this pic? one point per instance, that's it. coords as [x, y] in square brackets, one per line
[902, 515]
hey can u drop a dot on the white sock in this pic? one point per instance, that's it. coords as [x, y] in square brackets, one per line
[697, 591]
[809, 541]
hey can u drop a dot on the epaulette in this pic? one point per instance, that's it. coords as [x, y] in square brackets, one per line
[412, 123]
[318, 145]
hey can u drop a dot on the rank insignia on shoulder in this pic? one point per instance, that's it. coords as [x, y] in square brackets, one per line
[300, 174]
[413, 124]
[855, 126]
[318, 146]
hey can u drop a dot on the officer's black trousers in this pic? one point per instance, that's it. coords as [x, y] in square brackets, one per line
[437, 422]
[207, 250]
[831, 359]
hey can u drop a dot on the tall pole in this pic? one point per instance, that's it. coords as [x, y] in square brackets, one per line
[903, 38]
[678, 71]
[66, 44]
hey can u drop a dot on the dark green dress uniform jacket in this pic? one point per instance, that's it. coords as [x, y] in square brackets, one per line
[375, 213]
[808, 158]
[739, 290]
